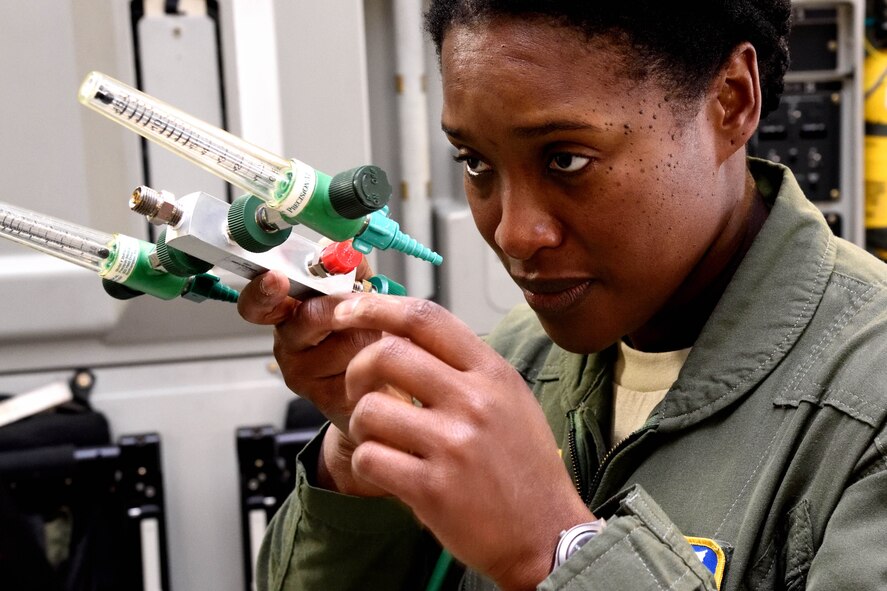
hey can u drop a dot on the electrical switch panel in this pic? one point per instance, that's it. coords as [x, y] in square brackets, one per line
[816, 130]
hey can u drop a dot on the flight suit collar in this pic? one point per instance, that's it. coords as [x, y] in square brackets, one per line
[765, 308]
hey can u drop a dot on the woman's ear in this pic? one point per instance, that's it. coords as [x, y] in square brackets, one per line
[736, 101]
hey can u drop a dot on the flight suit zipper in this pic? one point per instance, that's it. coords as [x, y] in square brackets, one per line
[602, 466]
[578, 462]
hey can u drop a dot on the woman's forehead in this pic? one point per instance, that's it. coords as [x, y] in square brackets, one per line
[523, 45]
[536, 62]
[519, 35]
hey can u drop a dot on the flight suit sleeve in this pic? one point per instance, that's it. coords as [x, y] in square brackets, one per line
[323, 540]
[639, 549]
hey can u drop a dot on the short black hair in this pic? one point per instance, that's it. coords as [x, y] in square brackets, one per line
[682, 44]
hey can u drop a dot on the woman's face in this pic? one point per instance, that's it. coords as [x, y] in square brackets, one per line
[596, 198]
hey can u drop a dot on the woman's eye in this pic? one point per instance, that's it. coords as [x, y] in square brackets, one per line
[473, 165]
[565, 162]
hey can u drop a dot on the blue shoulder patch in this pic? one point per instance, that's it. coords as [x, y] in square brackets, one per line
[711, 555]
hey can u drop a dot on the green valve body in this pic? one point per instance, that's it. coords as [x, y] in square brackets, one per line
[130, 265]
[353, 204]
[319, 215]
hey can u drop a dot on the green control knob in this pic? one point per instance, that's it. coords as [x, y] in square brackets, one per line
[246, 230]
[178, 262]
[359, 191]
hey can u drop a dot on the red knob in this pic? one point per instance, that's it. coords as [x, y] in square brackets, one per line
[339, 258]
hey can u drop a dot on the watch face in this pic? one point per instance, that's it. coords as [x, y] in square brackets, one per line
[576, 537]
[579, 541]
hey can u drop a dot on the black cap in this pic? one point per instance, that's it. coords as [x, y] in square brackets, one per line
[359, 191]
[120, 291]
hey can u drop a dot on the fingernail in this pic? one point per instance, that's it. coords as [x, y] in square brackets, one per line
[344, 309]
[264, 286]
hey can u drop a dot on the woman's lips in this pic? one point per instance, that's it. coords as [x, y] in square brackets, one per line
[556, 295]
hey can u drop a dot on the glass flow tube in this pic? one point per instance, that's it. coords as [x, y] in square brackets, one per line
[244, 165]
[76, 244]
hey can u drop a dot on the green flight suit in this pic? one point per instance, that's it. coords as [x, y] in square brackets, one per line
[772, 442]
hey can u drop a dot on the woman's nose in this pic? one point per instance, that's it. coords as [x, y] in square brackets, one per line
[526, 226]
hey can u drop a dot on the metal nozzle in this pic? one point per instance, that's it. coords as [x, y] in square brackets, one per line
[159, 207]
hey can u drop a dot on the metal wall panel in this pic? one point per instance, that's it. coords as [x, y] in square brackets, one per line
[194, 373]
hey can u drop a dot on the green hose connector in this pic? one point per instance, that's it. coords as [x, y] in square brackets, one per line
[209, 287]
[383, 233]
[439, 575]
[387, 286]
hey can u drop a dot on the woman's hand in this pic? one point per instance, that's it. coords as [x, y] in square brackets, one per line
[312, 355]
[474, 457]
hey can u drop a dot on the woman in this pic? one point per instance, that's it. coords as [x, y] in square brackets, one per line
[692, 398]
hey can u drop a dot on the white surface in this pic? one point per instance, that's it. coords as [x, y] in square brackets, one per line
[258, 522]
[30, 403]
[179, 65]
[151, 569]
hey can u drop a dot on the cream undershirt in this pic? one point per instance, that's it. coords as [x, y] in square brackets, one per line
[640, 382]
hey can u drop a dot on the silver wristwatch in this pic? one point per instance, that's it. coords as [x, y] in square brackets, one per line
[574, 538]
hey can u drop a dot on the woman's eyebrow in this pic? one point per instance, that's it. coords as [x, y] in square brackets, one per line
[452, 132]
[547, 127]
[538, 130]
